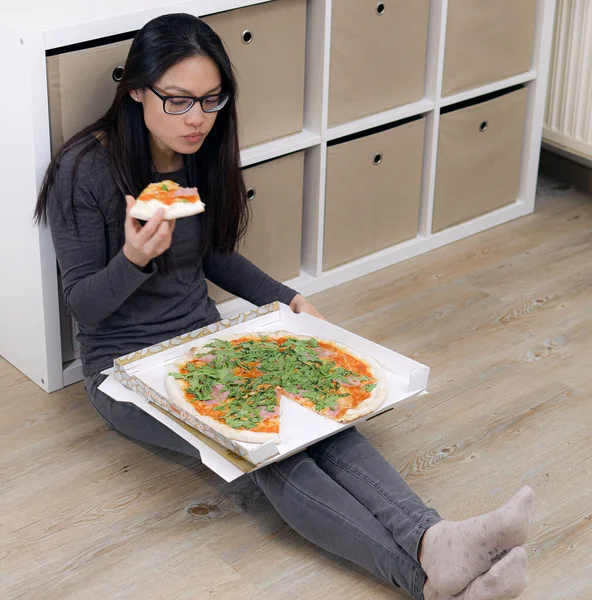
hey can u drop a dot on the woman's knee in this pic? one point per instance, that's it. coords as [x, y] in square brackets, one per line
[283, 472]
[350, 436]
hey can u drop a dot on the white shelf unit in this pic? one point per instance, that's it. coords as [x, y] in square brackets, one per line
[29, 307]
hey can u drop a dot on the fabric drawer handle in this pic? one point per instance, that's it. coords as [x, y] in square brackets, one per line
[117, 74]
[247, 36]
[483, 127]
[377, 159]
[380, 8]
[251, 193]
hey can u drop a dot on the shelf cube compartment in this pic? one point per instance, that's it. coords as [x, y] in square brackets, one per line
[479, 158]
[373, 192]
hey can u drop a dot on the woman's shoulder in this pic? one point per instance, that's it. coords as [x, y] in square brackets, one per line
[82, 176]
[86, 156]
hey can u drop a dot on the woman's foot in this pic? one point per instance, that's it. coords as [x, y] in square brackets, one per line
[455, 553]
[507, 579]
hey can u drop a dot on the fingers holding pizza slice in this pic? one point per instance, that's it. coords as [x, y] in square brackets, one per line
[176, 201]
[234, 383]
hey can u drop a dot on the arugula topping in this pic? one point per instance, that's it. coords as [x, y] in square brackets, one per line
[164, 187]
[249, 373]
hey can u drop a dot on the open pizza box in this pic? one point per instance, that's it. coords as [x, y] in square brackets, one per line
[140, 377]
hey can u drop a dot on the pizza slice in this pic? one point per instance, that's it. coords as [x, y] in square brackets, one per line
[213, 385]
[176, 201]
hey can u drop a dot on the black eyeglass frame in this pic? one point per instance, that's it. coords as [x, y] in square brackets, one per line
[223, 95]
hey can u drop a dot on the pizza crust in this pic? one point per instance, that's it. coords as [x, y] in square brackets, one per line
[146, 209]
[177, 399]
[377, 397]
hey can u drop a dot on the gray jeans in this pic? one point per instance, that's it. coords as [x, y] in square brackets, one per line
[340, 494]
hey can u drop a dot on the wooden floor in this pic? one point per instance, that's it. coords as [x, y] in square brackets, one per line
[504, 320]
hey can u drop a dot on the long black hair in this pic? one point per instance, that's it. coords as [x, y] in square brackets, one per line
[158, 46]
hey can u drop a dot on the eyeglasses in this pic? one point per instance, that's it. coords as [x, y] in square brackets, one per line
[178, 105]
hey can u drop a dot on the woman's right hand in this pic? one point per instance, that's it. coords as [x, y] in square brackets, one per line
[142, 244]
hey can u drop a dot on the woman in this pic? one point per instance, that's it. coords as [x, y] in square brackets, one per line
[128, 286]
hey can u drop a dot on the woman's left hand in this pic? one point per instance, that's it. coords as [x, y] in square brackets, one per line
[301, 304]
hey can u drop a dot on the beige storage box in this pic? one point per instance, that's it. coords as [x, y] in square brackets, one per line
[273, 241]
[81, 87]
[266, 43]
[486, 41]
[378, 56]
[479, 158]
[373, 192]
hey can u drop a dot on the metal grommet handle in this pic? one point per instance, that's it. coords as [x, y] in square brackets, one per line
[380, 8]
[247, 36]
[483, 127]
[251, 193]
[377, 159]
[117, 74]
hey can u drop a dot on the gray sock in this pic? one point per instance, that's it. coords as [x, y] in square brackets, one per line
[455, 553]
[506, 580]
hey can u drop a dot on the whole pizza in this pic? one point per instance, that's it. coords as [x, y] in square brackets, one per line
[234, 383]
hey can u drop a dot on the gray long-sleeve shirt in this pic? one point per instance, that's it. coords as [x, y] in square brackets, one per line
[120, 308]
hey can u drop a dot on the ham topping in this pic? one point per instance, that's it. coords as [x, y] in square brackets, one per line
[264, 414]
[185, 192]
[323, 352]
[331, 413]
[218, 396]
